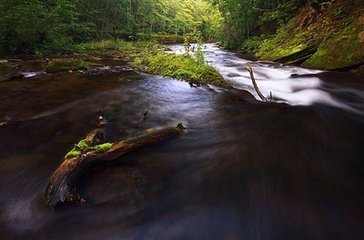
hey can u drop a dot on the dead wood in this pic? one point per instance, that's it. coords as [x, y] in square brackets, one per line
[250, 70]
[61, 186]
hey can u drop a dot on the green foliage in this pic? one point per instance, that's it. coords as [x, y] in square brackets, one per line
[182, 67]
[37, 25]
[282, 44]
[56, 25]
[333, 52]
[117, 45]
[200, 59]
[163, 38]
[334, 31]
[281, 13]
[63, 65]
[241, 17]
[251, 45]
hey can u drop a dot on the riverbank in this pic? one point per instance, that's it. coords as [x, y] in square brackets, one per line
[328, 36]
[145, 56]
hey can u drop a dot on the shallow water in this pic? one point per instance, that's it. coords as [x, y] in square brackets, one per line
[294, 85]
[244, 169]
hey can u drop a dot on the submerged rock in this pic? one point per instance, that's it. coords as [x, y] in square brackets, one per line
[12, 76]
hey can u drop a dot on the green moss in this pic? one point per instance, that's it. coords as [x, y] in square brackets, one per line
[335, 32]
[4, 67]
[181, 67]
[83, 145]
[102, 147]
[283, 44]
[72, 153]
[342, 49]
[63, 65]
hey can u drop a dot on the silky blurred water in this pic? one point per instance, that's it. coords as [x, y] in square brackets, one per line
[295, 85]
[243, 170]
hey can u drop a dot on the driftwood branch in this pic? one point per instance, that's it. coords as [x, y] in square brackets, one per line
[61, 186]
[250, 70]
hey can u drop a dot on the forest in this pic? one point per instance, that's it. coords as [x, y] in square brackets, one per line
[257, 28]
[56, 25]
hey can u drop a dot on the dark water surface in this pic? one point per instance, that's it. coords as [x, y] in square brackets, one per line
[244, 169]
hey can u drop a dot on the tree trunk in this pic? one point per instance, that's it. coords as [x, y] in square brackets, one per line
[61, 188]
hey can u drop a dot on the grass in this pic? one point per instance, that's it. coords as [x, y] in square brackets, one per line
[117, 45]
[150, 57]
[182, 67]
[64, 65]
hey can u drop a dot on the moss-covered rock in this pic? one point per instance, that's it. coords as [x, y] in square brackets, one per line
[64, 65]
[182, 67]
[342, 49]
[336, 31]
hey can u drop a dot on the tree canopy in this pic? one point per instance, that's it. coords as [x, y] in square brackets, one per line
[56, 25]
[33, 25]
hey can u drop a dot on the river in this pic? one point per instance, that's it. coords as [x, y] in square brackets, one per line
[244, 169]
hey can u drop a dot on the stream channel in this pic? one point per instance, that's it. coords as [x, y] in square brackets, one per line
[244, 169]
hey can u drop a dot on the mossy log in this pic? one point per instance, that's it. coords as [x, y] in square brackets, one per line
[61, 186]
[299, 57]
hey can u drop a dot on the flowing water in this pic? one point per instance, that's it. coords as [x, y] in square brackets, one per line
[243, 170]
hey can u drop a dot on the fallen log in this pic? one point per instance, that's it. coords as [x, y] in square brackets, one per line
[299, 57]
[61, 186]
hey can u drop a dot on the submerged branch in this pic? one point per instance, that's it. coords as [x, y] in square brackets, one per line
[250, 70]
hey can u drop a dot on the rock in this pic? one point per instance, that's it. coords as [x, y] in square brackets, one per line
[14, 60]
[64, 65]
[12, 76]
